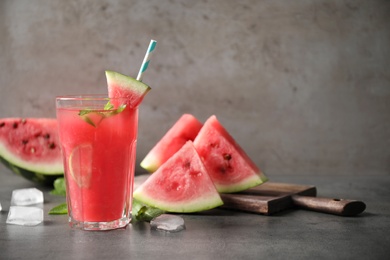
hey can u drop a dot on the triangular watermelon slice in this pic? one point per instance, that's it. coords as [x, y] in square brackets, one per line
[30, 147]
[185, 129]
[228, 165]
[122, 86]
[180, 185]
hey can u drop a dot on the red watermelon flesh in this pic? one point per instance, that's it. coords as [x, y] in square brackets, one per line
[181, 184]
[30, 147]
[228, 165]
[122, 86]
[185, 129]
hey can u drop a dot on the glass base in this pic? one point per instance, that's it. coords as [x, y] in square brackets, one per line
[99, 226]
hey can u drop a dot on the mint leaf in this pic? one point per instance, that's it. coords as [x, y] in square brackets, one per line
[143, 212]
[85, 111]
[116, 111]
[140, 211]
[59, 187]
[120, 108]
[59, 210]
[83, 114]
[108, 106]
[148, 213]
[89, 120]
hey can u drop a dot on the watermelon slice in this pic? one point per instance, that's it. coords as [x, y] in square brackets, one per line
[185, 129]
[121, 86]
[30, 148]
[228, 165]
[181, 184]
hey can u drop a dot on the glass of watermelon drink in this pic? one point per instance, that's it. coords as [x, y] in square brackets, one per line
[98, 137]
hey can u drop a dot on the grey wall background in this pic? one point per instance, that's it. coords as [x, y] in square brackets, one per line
[303, 86]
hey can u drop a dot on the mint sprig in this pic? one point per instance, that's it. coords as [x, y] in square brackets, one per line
[143, 212]
[140, 211]
[59, 187]
[108, 106]
[84, 114]
[59, 210]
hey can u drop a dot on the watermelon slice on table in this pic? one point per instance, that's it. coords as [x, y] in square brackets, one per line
[122, 86]
[30, 148]
[180, 185]
[228, 165]
[185, 129]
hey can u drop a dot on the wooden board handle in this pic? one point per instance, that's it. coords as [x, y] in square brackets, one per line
[267, 205]
[341, 207]
[245, 202]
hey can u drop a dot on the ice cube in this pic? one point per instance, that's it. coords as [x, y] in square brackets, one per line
[24, 197]
[167, 222]
[24, 216]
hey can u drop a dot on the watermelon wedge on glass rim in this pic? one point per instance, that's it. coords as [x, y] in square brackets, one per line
[180, 185]
[228, 165]
[185, 128]
[30, 148]
[122, 86]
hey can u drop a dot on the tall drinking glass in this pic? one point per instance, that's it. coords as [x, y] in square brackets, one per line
[98, 139]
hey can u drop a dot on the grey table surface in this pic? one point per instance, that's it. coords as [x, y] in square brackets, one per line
[217, 233]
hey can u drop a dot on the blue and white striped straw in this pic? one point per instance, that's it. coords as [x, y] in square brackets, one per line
[145, 63]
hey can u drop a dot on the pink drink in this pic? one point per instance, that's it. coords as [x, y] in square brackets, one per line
[99, 149]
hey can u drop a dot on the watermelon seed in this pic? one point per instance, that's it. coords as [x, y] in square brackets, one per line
[225, 169]
[227, 156]
[214, 145]
[187, 165]
[52, 145]
[23, 121]
[24, 141]
[15, 125]
[37, 134]
[222, 169]
[46, 136]
[32, 150]
[2, 124]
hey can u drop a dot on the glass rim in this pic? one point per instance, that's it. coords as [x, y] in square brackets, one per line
[87, 97]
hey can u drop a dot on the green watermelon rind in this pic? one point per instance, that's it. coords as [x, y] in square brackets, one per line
[256, 177]
[39, 173]
[42, 168]
[35, 176]
[184, 129]
[244, 185]
[129, 82]
[197, 205]
[137, 88]
[151, 163]
[170, 172]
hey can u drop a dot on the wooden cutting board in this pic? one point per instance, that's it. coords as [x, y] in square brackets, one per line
[272, 197]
